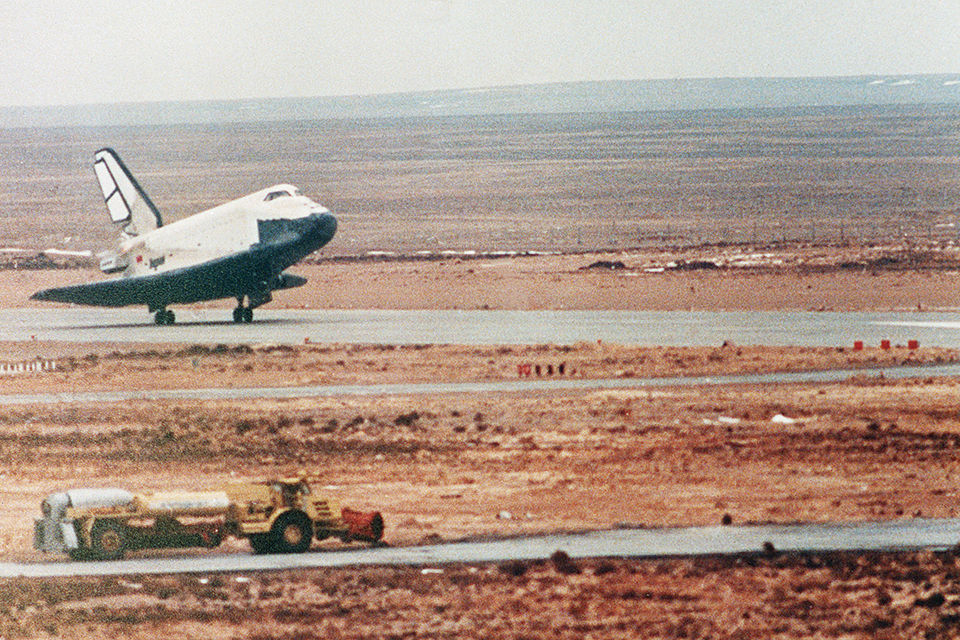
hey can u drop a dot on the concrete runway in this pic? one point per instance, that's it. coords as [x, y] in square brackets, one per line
[677, 328]
[622, 543]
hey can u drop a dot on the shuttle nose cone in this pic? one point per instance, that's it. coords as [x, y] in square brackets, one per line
[324, 227]
[326, 224]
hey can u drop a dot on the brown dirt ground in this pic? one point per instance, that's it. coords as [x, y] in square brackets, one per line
[866, 595]
[443, 467]
[802, 278]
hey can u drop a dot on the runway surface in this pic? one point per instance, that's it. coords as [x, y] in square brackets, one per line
[673, 328]
[624, 543]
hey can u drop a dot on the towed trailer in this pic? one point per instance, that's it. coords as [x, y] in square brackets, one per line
[276, 516]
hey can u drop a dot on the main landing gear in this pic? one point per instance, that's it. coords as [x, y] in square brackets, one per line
[164, 316]
[242, 314]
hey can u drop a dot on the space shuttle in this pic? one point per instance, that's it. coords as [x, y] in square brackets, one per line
[239, 249]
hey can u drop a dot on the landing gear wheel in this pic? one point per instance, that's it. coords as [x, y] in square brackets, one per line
[260, 542]
[80, 555]
[164, 316]
[291, 533]
[243, 314]
[108, 540]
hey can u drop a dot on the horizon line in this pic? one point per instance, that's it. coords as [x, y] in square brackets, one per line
[124, 103]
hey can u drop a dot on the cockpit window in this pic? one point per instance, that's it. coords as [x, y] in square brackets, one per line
[273, 195]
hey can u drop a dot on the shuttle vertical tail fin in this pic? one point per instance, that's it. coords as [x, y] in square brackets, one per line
[127, 203]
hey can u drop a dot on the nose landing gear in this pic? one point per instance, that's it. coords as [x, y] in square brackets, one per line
[164, 316]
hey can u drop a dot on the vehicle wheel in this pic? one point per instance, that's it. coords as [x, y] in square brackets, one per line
[171, 318]
[260, 542]
[79, 555]
[247, 314]
[108, 540]
[292, 533]
[238, 314]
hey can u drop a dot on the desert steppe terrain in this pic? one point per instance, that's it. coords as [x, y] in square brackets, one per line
[845, 210]
[449, 467]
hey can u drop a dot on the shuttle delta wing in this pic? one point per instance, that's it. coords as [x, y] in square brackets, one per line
[229, 277]
[212, 280]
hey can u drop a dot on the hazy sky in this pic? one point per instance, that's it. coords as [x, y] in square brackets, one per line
[68, 52]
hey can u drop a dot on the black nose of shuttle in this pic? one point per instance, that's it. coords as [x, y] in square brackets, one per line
[324, 227]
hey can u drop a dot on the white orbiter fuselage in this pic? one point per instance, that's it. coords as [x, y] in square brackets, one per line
[235, 250]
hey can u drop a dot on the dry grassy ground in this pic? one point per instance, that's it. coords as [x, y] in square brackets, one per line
[445, 467]
[825, 595]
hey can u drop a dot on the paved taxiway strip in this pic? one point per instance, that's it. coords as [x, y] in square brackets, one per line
[667, 328]
[623, 543]
[521, 385]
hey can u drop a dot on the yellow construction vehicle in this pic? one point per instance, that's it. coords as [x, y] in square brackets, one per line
[276, 516]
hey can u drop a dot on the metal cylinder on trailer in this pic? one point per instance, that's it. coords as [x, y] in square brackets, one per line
[364, 526]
